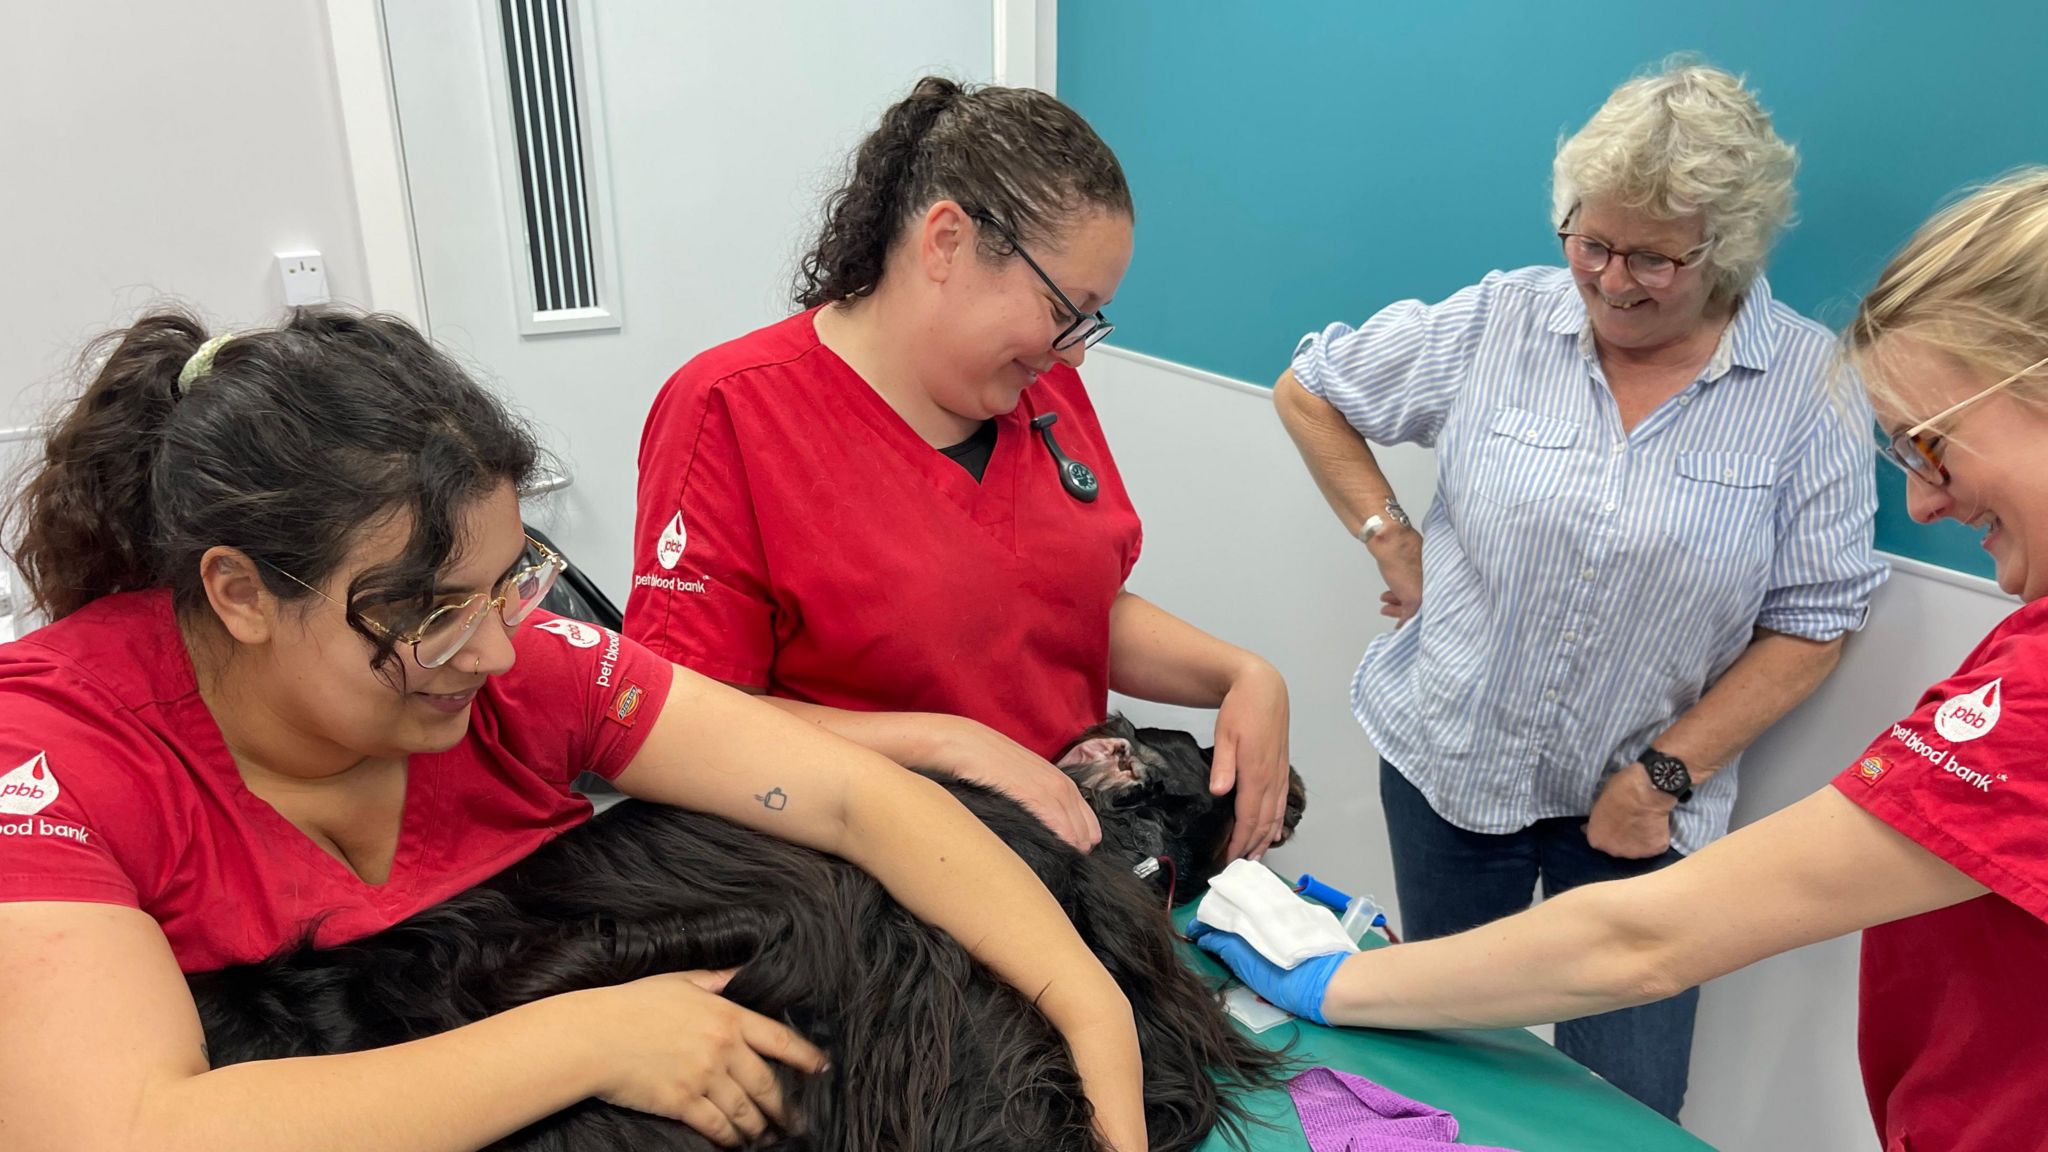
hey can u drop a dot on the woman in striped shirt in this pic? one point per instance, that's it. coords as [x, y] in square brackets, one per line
[1651, 532]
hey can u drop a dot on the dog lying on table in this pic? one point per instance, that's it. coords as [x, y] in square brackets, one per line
[928, 1050]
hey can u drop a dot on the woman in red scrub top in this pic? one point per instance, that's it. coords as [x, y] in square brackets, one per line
[286, 695]
[1934, 841]
[894, 513]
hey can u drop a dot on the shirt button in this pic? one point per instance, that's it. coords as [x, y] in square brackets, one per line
[1621, 445]
[1570, 637]
[1684, 400]
[1729, 475]
[1551, 696]
[1588, 574]
[1531, 433]
[1610, 507]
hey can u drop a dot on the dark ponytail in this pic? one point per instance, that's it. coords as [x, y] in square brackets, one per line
[1016, 153]
[289, 443]
[85, 518]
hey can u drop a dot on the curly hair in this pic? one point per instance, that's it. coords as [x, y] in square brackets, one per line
[1689, 138]
[286, 445]
[1015, 153]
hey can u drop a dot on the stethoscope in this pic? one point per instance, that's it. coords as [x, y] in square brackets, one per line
[1077, 478]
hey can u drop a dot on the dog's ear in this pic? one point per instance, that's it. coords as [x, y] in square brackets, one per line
[1099, 766]
[1095, 750]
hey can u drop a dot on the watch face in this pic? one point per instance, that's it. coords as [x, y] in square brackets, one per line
[1668, 773]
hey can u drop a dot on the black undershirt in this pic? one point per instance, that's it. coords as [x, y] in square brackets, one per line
[973, 453]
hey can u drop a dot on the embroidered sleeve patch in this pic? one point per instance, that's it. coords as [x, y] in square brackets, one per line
[625, 707]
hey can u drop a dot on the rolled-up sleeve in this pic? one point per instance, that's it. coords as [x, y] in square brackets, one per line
[1395, 376]
[1826, 567]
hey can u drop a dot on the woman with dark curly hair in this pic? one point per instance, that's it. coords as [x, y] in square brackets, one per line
[867, 513]
[288, 697]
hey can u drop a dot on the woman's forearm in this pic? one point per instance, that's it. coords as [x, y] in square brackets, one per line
[1809, 872]
[1155, 655]
[1770, 678]
[1338, 458]
[948, 869]
[909, 738]
[453, 1092]
[1577, 954]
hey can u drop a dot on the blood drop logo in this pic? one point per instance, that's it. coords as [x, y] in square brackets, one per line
[1968, 717]
[30, 788]
[579, 634]
[674, 538]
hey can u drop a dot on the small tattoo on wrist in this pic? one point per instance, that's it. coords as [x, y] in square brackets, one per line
[774, 800]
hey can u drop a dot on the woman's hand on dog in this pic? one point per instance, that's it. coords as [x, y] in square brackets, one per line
[1251, 757]
[969, 750]
[671, 1045]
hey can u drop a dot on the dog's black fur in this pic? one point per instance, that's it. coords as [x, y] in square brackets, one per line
[928, 1050]
[1149, 788]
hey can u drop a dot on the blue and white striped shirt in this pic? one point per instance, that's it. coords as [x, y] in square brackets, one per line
[1582, 585]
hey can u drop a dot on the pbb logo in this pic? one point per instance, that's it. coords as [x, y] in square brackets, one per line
[1872, 769]
[1967, 717]
[575, 632]
[29, 788]
[669, 549]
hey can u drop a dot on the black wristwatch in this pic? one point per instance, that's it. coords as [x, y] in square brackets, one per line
[1668, 773]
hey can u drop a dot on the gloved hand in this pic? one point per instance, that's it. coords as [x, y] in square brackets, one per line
[1298, 990]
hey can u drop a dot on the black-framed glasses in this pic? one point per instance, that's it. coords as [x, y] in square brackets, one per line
[1915, 450]
[447, 629]
[1084, 328]
[1650, 269]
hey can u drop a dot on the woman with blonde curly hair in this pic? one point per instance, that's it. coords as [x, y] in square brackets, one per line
[1931, 841]
[1651, 531]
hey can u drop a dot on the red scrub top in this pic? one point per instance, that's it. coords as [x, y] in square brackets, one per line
[795, 533]
[116, 787]
[1954, 1015]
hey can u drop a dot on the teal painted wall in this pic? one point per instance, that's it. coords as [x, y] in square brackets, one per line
[1299, 161]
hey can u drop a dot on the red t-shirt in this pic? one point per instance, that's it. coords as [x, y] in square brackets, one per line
[1954, 1016]
[795, 533]
[116, 787]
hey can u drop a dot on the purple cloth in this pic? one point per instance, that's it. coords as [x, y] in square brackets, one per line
[1345, 1113]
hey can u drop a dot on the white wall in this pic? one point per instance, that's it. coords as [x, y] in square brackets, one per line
[720, 151]
[1238, 540]
[160, 148]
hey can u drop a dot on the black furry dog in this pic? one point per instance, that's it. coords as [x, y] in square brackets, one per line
[928, 1050]
[1149, 788]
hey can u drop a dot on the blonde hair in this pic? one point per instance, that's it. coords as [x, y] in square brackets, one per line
[1689, 138]
[1971, 284]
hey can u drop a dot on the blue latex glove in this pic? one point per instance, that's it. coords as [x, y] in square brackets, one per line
[1298, 990]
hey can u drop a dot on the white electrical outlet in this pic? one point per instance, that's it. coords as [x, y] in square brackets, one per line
[304, 276]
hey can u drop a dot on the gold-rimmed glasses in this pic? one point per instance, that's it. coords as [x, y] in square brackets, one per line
[447, 629]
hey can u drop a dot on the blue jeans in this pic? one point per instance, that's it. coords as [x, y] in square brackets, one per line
[1448, 880]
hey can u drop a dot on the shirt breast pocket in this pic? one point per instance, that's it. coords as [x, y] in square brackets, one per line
[1525, 457]
[1718, 503]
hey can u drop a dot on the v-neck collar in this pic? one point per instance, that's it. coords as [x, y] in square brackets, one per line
[989, 503]
[214, 758]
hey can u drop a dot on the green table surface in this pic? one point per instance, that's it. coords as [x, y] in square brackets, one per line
[1506, 1087]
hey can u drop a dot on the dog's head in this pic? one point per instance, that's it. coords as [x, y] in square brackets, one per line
[1149, 788]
